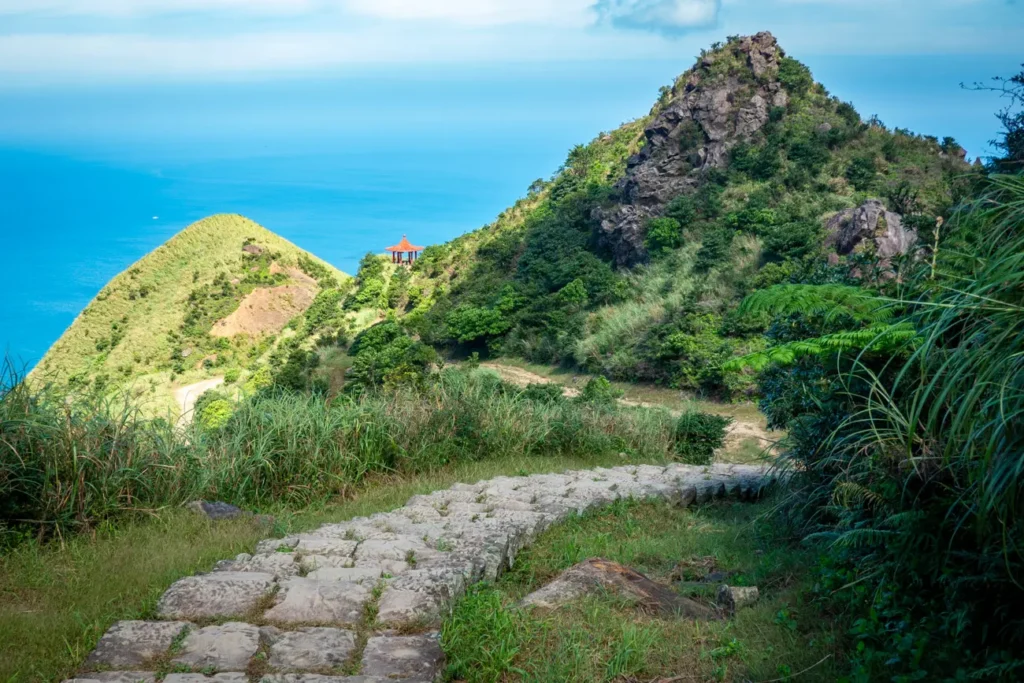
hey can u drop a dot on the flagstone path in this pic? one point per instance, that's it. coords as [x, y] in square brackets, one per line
[360, 601]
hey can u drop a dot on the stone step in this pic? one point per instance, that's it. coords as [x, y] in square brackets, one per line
[297, 606]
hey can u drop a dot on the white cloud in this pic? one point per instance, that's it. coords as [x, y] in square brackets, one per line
[667, 16]
[131, 8]
[479, 12]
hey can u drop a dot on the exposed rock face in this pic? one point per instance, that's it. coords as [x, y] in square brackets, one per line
[870, 227]
[708, 114]
[597, 576]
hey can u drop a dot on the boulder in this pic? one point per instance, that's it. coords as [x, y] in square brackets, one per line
[597, 575]
[870, 228]
[733, 598]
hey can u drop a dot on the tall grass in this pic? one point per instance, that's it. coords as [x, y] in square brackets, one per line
[70, 464]
[920, 486]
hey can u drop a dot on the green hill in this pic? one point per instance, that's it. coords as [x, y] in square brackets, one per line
[207, 304]
[632, 259]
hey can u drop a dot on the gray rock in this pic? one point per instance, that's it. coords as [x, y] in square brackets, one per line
[408, 658]
[311, 649]
[200, 678]
[354, 574]
[318, 678]
[227, 647]
[705, 117]
[279, 565]
[134, 644]
[215, 596]
[335, 547]
[870, 227]
[308, 601]
[216, 510]
[733, 598]
[115, 677]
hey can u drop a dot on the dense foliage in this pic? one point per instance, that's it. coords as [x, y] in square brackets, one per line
[540, 284]
[905, 411]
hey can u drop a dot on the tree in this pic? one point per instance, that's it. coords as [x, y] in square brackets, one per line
[1011, 140]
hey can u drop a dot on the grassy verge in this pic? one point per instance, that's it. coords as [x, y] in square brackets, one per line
[57, 600]
[605, 638]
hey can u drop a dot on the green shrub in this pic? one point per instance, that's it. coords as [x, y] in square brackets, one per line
[470, 323]
[231, 375]
[699, 435]
[663, 235]
[215, 414]
[544, 393]
[599, 390]
[794, 76]
[714, 248]
[861, 173]
[903, 448]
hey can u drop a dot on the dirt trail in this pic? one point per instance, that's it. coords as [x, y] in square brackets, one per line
[186, 397]
[739, 431]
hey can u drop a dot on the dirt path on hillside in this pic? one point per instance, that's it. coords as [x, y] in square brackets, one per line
[186, 397]
[739, 432]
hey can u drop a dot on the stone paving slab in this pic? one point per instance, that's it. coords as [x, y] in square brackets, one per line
[317, 678]
[134, 644]
[304, 600]
[226, 647]
[310, 649]
[218, 595]
[406, 566]
[405, 658]
[116, 677]
[200, 678]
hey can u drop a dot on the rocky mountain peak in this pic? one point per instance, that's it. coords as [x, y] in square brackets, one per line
[724, 99]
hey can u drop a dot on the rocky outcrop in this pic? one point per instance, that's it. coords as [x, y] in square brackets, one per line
[725, 99]
[870, 228]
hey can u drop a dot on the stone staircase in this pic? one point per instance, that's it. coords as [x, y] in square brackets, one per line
[361, 601]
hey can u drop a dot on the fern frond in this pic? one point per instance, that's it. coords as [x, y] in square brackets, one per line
[879, 338]
[831, 301]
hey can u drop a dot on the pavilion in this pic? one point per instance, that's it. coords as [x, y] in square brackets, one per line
[404, 252]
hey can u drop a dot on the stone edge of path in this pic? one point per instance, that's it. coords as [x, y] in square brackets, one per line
[364, 597]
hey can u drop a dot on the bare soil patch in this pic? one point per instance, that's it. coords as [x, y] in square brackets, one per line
[266, 310]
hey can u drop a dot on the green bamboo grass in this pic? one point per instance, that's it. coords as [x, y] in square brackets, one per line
[69, 465]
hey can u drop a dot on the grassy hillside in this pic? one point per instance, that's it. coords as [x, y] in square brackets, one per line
[155, 326]
[541, 282]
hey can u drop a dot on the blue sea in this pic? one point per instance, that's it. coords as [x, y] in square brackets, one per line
[94, 177]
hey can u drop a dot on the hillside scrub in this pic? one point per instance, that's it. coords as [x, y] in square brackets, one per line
[548, 282]
[70, 465]
[904, 404]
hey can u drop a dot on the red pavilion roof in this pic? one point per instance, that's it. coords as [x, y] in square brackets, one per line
[404, 245]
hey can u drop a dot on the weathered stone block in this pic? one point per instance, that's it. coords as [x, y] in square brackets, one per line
[311, 649]
[214, 596]
[200, 678]
[227, 647]
[134, 644]
[115, 677]
[418, 658]
[308, 601]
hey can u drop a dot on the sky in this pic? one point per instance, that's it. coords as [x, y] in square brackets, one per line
[341, 124]
[75, 41]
